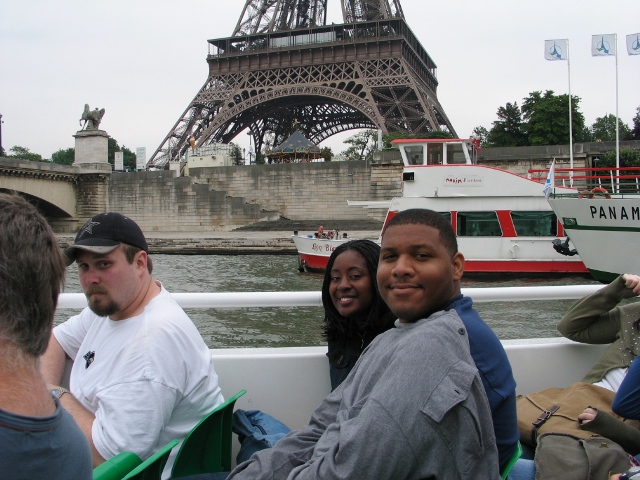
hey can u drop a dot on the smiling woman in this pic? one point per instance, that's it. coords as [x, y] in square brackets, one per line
[354, 311]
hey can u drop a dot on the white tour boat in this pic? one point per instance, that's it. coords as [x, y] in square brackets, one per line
[603, 219]
[502, 220]
[289, 383]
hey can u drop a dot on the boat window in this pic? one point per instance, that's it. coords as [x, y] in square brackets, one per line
[455, 153]
[478, 224]
[536, 224]
[415, 154]
[434, 155]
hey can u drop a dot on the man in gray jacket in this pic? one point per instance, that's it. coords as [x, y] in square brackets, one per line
[414, 406]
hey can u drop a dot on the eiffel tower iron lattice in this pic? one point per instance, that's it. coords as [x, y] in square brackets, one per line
[285, 69]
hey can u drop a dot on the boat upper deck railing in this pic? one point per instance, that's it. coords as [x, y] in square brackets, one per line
[622, 180]
[314, 299]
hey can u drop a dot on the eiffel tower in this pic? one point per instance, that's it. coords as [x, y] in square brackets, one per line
[284, 68]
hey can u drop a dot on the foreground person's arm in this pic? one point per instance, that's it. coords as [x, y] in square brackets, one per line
[595, 319]
[85, 420]
[52, 362]
[608, 426]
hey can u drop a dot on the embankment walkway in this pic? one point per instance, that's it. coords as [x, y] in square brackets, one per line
[239, 242]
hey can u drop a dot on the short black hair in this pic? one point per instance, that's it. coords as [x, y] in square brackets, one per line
[430, 218]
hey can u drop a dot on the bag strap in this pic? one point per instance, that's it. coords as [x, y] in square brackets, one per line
[544, 416]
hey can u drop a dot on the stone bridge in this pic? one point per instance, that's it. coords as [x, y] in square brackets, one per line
[65, 195]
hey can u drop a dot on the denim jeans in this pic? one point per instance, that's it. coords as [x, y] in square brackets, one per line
[524, 469]
[256, 431]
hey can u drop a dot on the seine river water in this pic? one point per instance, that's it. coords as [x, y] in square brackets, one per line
[301, 326]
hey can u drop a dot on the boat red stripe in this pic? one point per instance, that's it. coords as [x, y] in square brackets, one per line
[319, 263]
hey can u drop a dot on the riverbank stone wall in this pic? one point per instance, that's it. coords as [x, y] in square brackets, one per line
[296, 190]
[162, 202]
[225, 198]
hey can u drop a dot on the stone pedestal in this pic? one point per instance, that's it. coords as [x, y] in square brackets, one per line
[91, 147]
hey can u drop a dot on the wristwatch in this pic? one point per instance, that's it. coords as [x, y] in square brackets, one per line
[58, 391]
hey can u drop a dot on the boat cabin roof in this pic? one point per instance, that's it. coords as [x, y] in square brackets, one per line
[430, 140]
[436, 151]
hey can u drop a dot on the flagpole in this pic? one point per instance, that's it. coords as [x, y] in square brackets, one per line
[617, 120]
[570, 119]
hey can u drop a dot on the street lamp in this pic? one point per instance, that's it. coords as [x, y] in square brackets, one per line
[595, 165]
[250, 149]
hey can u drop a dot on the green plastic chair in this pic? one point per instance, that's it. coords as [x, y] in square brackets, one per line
[207, 447]
[151, 469]
[116, 467]
[512, 461]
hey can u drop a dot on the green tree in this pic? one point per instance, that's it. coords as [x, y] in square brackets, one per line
[362, 145]
[508, 130]
[628, 158]
[434, 134]
[547, 118]
[634, 134]
[24, 153]
[236, 154]
[129, 158]
[604, 129]
[585, 136]
[326, 153]
[482, 134]
[64, 157]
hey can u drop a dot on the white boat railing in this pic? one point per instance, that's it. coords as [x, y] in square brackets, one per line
[314, 299]
[289, 382]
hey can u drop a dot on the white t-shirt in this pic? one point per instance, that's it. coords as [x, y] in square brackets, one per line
[147, 379]
[613, 379]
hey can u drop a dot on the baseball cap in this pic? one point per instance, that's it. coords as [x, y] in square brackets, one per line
[105, 232]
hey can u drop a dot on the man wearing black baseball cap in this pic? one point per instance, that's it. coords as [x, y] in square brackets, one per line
[142, 375]
[106, 232]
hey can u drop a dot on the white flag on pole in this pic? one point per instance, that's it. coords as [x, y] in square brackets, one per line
[633, 44]
[551, 178]
[603, 45]
[556, 49]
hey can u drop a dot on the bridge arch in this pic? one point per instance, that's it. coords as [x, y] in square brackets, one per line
[51, 188]
[57, 199]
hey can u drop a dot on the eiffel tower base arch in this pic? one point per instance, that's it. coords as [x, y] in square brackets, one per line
[373, 75]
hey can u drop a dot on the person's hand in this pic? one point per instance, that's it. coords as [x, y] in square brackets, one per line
[615, 476]
[632, 282]
[587, 415]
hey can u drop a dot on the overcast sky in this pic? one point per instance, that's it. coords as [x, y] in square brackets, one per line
[144, 61]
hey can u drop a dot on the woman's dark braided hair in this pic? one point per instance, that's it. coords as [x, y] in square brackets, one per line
[379, 319]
